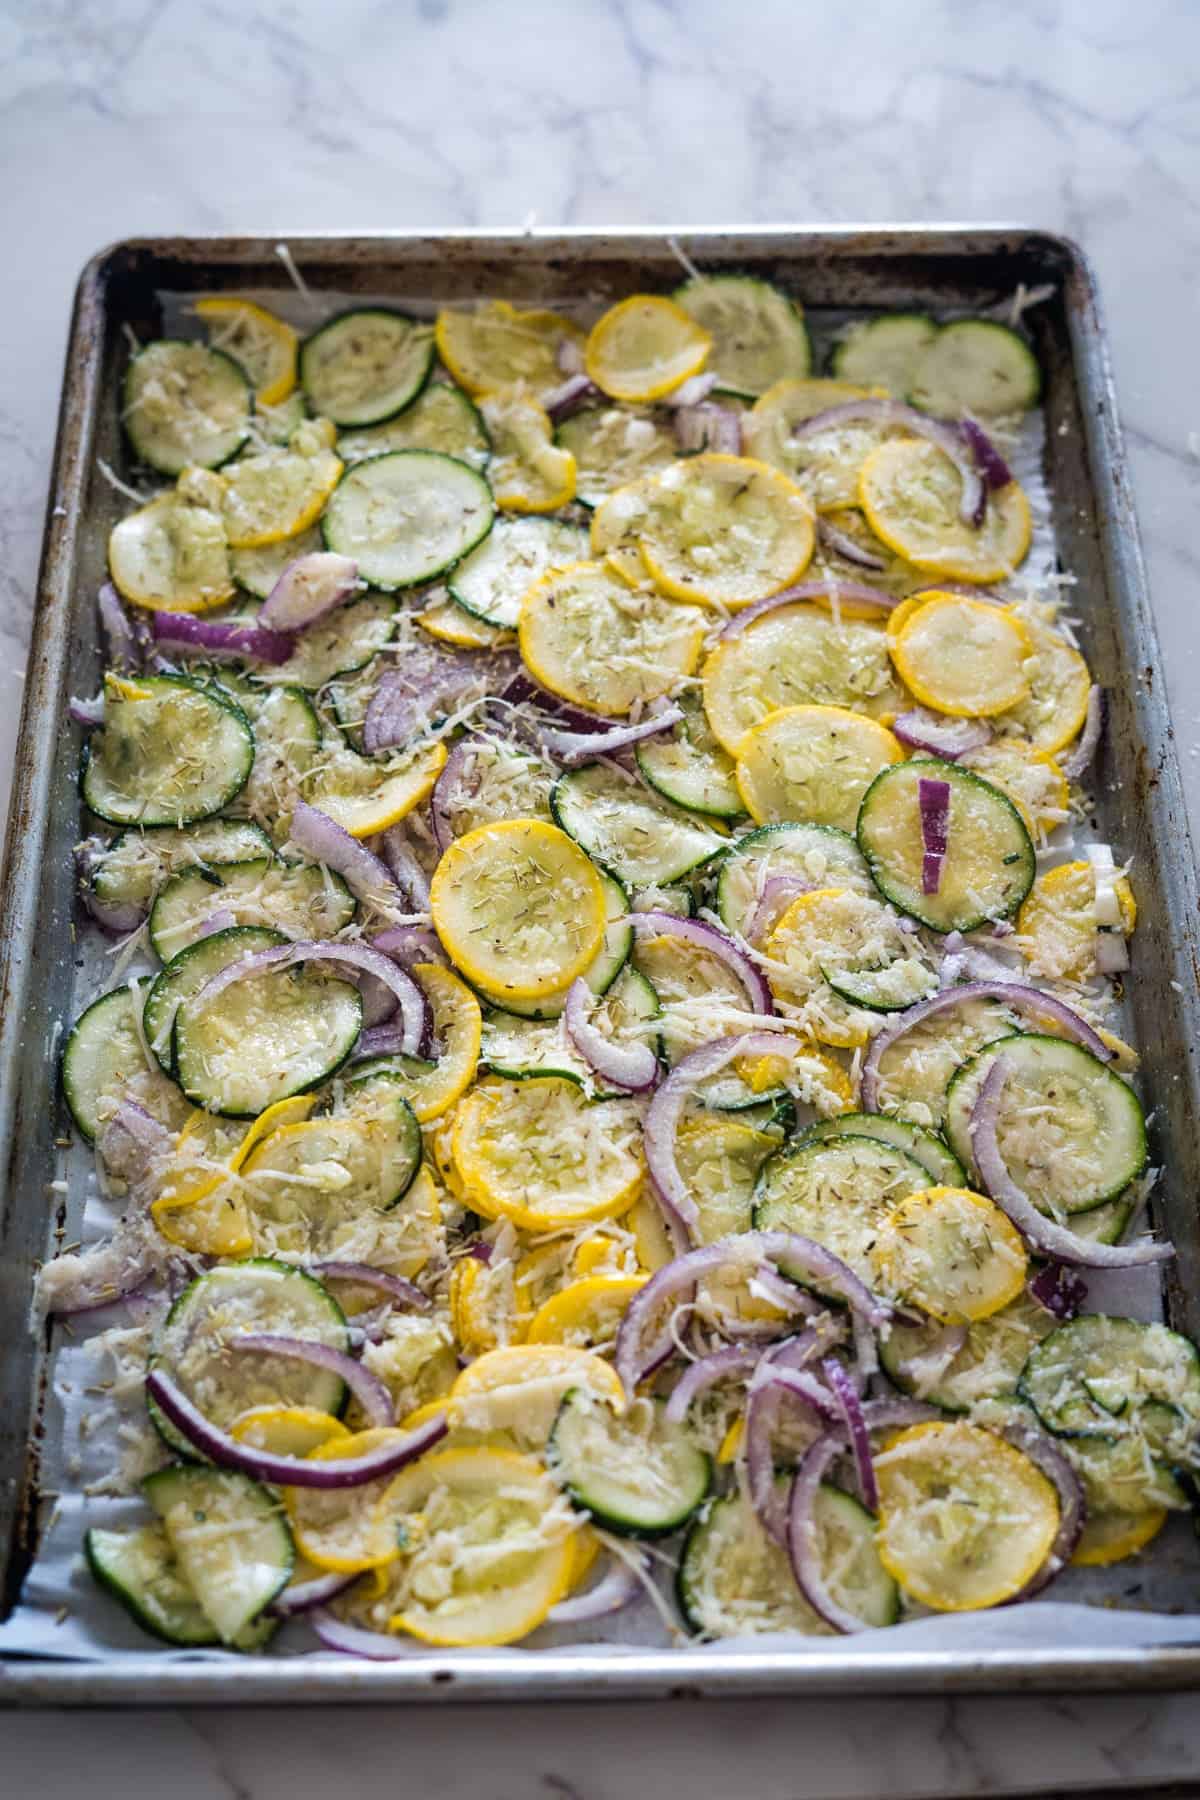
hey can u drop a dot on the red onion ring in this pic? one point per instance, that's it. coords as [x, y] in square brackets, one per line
[404, 1293]
[407, 872]
[1019, 995]
[809, 590]
[1043, 1233]
[718, 943]
[568, 397]
[1058, 1290]
[850, 1407]
[414, 1010]
[409, 944]
[666, 1110]
[848, 548]
[354, 1640]
[948, 438]
[117, 920]
[762, 1417]
[1079, 760]
[322, 838]
[633, 1067]
[1072, 1504]
[575, 747]
[727, 1364]
[933, 799]
[288, 1471]
[616, 1588]
[992, 466]
[303, 1596]
[88, 713]
[777, 895]
[946, 738]
[708, 426]
[692, 391]
[119, 635]
[433, 678]
[220, 637]
[371, 1393]
[308, 588]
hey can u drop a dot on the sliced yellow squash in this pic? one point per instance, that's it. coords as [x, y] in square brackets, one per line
[812, 762]
[643, 347]
[263, 343]
[595, 641]
[726, 530]
[953, 1253]
[528, 471]
[494, 345]
[543, 1155]
[910, 492]
[963, 657]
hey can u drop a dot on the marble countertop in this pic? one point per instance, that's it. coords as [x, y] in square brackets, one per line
[147, 116]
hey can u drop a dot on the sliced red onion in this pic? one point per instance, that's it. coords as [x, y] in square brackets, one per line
[411, 1001]
[431, 679]
[808, 590]
[221, 920]
[717, 943]
[575, 747]
[410, 944]
[381, 1040]
[1079, 759]
[322, 838]
[130, 1139]
[763, 1407]
[933, 799]
[633, 1067]
[1045, 1454]
[118, 919]
[354, 1640]
[576, 391]
[948, 438]
[692, 391]
[667, 1107]
[848, 548]
[404, 1293]
[992, 466]
[806, 1387]
[1059, 1289]
[1054, 1240]
[1021, 997]
[569, 356]
[769, 1285]
[921, 729]
[288, 1471]
[221, 637]
[303, 1596]
[371, 1393]
[119, 635]
[615, 1589]
[777, 895]
[406, 871]
[729, 1364]
[445, 791]
[378, 1002]
[88, 713]
[309, 588]
[708, 426]
[850, 1407]
[802, 1538]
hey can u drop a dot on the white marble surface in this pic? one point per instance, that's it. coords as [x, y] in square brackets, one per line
[144, 116]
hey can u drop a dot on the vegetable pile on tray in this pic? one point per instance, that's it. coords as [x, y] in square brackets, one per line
[612, 1069]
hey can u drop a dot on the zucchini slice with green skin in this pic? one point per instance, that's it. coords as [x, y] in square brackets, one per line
[287, 744]
[976, 366]
[258, 1294]
[102, 1054]
[186, 973]
[987, 1368]
[943, 1166]
[759, 335]
[137, 863]
[337, 646]
[177, 756]
[734, 1581]
[626, 829]
[614, 445]
[989, 863]
[236, 1572]
[297, 900]
[441, 418]
[883, 352]
[519, 1048]
[637, 1475]
[493, 580]
[689, 768]
[1120, 1474]
[365, 366]
[185, 405]
[1071, 1133]
[1100, 1376]
[821, 855]
[257, 570]
[891, 987]
[836, 1191]
[407, 516]
[601, 972]
[267, 1036]
[140, 1569]
[675, 898]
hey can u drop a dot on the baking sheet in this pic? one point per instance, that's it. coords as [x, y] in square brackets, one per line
[92, 1627]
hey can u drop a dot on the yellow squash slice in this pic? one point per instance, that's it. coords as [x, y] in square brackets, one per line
[644, 347]
[528, 471]
[963, 657]
[263, 343]
[1031, 778]
[172, 555]
[519, 1390]
[953, 1253]
[543, 1155]
[457, 1028]
[812, 762]
[586, 1313]
[593, 640]
[824, 463]
[494, 346]
[1109, 1537]
[343, 1529]
[910, 492]
[444, 619]
[834, 929]
[280, 492]
[1057, 921]
[1053, 712]
[367, 796]
[726, 530]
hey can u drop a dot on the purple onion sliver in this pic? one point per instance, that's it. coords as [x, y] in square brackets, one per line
[615, 1589]
[308, 588]
[992, 466]
[88, 713]
[221, 637]
[1058, 1289]
[809, 590]
[943, 737]
[370, 1392]
[322, 838]
[354, 1640]
[718, 943]
[575, 746]
[304, 1596]
[567, 398]
[708, 426]
[120, 637]
[848, 548]
[409, 944]
[407, 872]
[1045, 1454]
[667, 1107]
[729, 1364]
[850, 1407]
[948, 438]
[1077, 762]
[633, 1067]
[404, 1293]
[413, 1006]
[692, 391]
[933, 799]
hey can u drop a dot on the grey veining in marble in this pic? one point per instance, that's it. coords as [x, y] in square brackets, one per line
[137, 116]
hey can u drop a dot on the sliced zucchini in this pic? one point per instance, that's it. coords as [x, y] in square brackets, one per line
[701, 999]
[600, 974]
[287, 745]
[103, 1053]
[135, 866]
[258, 570]
[365, 366]
[690, 768]
[989, 863]
[140, 1569]
[185, 405]
[675, 897]
[628, 830]
[407, 515]
[942, 1166]
[734, 1581]
[440, 418]
[348, 697]
[836, 1191]
[337, 646]
[267, 1036]
[192, 1344]
[821, 855]
[637, 1474]
[170, 753]
[915, 1072]
[614, 445]
[230, 1540]
[187, 972]
[758, 333]
[1121, 1475]
[493, 580]
[1071, 1133]
[299, 900]
[976, 366]
[838, 956]
[275, 424]
[1099, 1376]
[987, 1368]
[884, 352]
